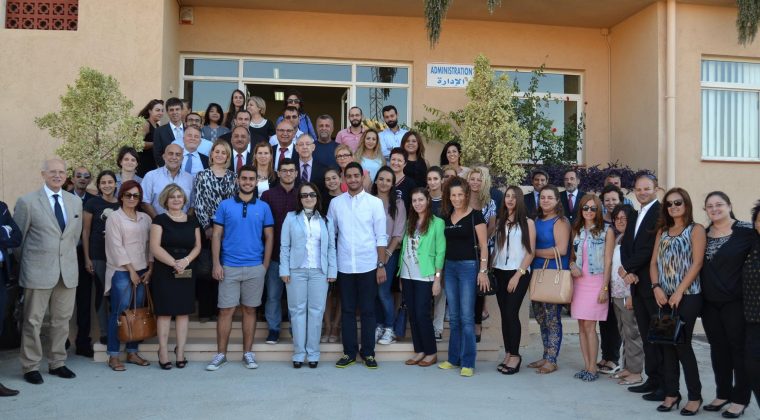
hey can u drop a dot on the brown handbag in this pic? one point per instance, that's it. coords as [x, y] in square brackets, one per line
[137, 324]
[551, 285]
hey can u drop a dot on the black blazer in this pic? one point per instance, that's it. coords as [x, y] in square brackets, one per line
[204, 160]
[276, 155]
[7, 241]
[162, 137]
[636, 252]
[228, 137]
[248, 161]
[566, 204]
[530, 204]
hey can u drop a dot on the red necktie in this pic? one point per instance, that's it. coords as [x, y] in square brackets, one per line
[282, 156]
[570, 202]
[239, 162]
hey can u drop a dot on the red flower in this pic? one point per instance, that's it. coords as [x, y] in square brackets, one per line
[554, 129]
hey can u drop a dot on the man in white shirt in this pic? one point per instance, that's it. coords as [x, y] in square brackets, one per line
[285, 146]
[156, 180]
[193, 161]
[193, 119]
[351, 135]
[291, 115]
[360, 227]
[391, 136]
[168, 133]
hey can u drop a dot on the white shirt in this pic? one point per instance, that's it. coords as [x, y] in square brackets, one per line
[313, 242]
[243, 155]
[510, 256]
[204, 148]
[177, 130]
[642, 214]
[50, 193]
[389, 140]
[360, 227]
[274, 142]
[288, 154]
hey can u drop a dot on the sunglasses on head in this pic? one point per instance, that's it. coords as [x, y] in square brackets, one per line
[674, 203]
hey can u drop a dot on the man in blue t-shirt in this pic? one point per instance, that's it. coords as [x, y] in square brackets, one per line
[240, 261]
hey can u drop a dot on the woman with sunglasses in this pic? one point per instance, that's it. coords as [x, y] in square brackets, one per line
[307, 266]
[294, 98]
[344, 156]
[679, 250]
[590, 287]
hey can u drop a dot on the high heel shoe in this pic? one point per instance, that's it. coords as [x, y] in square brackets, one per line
[164, 366]
[712, 407]
[729, 415]
[685, 412]
[508, 370]
[662, 408]
[179, 363]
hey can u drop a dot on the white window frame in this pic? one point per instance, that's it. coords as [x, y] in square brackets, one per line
[351, 85]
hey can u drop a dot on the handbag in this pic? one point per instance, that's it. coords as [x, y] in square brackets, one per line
[399, 325]
[666, 328]
[491, 276]
[137, 324]
[551, 285]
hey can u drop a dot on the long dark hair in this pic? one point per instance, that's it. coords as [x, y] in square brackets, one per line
[666, 221]
[145, 112]
[558, 209]
[411, 224]
[299, 204]
[444, 159]
[301, 109]
[627, 209]
[100, 176]
[521, 219]
[455, 181]
[392, 194]
[725, 198]
[420, 145]
[231, 110]
[580, 223]
[207, 118]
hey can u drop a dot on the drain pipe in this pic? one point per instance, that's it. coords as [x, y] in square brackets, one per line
[670, 98]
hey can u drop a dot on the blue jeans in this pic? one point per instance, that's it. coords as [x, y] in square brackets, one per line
[121, 298]
[461, 283]
[307, 294]
[273, 305]
[385, 308]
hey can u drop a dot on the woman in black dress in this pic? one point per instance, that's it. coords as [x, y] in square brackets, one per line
[175, 241]
[152, 113]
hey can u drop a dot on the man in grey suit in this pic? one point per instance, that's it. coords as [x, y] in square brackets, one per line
[50, 221]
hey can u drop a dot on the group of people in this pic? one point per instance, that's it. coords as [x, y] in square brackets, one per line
[234, 211]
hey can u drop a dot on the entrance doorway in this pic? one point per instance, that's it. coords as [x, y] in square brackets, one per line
[317, 100]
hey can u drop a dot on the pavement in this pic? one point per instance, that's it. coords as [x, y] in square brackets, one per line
[277, 391]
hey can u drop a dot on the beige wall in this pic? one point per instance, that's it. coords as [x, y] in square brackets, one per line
[119, 38]
[708, 31]
[401, 39]
[169, 53]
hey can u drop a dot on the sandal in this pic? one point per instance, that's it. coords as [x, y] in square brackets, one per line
[164, 366]
[547, 368]
[180, 363]
[115, 364]
[135, 359]
[537, 364]
[626, 381]
[620, 375]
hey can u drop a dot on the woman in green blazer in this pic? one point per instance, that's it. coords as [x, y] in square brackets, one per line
[422, 254]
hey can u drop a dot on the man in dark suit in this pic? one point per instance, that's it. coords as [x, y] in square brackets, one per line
[571, 197]
[285, 147]
[166, 134]
[82, 178]
[242, 119]
[193, 161]
[10, 237]
[309, 170]
[635, 255]
[539, 178]
[241, 149]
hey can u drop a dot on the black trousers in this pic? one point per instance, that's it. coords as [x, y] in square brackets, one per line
[83, 301]
[509, 307]
[752, 358]
[418, 296]
[610, 336]
[689, 309]
[358, 290]
[724, 327]
[206, 287]
[480, 303]
[644, 307]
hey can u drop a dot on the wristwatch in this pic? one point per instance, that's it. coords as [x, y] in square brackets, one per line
[380, 264]
[522, 271]
[655, 285]
[483, 271]
[437, 275]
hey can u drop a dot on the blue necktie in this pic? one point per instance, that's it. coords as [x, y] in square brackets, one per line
[59, 213]
[189, 164]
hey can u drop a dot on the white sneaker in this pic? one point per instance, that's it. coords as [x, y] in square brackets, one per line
[217, 362]
[378, 333]
[388, 337]
[248, 360]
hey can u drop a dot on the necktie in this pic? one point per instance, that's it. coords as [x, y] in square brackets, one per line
[189, 164]
[239, 163]
[177, 133]
[570, 202]
[59, 213]
[305, 172]
[282, 156]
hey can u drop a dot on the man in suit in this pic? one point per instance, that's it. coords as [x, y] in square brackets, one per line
[193, 161]
[635, 255]
[10, 237]
[309, 170]
[50, 221]
[241, 149]
[166, 134]
[571, 197]
[242, 119]
[539, 178]
[82, 178]
[292, 115]
[204, 147]
[285, 146]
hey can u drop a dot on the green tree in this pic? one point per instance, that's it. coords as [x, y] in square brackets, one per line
[490, 129]
[94, 122]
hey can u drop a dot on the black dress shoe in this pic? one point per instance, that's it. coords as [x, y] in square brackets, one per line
[643, 388]
[313, 365]
[7, 392]
[297, 365]
[62, 372]
[33, 377]
[657, 395]
[68, 344]
[727, 414]
[85, 351]
[710, 407]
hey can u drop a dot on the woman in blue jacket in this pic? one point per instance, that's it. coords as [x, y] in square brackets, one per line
[307, 265]
[423, 251]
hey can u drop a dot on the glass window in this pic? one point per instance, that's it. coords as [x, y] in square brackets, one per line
[298, 71]
[731, 72]
[547, 83]
[202, 93]
[372, 100]
[377, 74]
[214, 68]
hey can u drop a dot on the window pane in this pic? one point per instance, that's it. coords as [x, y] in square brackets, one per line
[372, 101]
[731, 72]
[218, 68]
[301, 71]
[203, 93]
[377, 74]
[729, 124]
[548, 82]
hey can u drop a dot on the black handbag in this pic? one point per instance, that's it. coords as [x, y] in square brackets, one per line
[491, 276]
[399, 325]
[666, 328]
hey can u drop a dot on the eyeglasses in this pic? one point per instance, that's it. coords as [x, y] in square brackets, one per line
[287, 171]
[587, 208]
[131, 196]
[291, 117]
[308, 195]
[281, 130]
[342, 156]
[621, 219]
[674, 203]
[293, 101]
[85, 176]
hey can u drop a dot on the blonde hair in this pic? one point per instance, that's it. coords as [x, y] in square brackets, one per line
[362, 148]
[342, 147]
[260, 103]
[227, 149]
[484, 195]
[170, 189]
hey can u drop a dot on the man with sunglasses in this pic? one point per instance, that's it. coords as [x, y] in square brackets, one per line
[241, 249]
[82, 178]
[291, 115]
[282, 199]
[284, 147]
